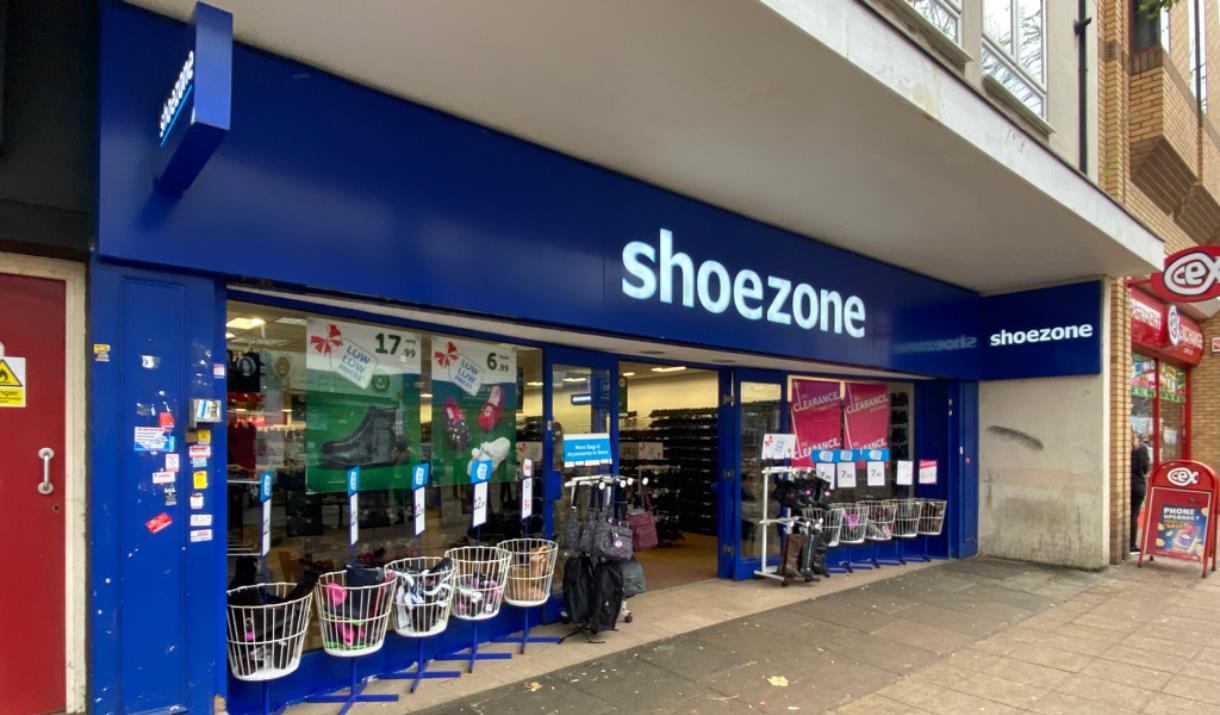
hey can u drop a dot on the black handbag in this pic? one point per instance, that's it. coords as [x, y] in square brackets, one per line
[612, 536]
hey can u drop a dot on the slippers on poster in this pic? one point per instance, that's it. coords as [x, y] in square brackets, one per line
[455, 425]
[489, 416]
[495, 450]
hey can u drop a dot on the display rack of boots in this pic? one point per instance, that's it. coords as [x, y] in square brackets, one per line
[423, 599]
[480, 576]
[353, 608]
[931, 523]
[530, 573]
[266, 630]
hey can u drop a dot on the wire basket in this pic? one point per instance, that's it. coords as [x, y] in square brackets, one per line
[422, 596]
[831, 519]
[353, 618]
[855, 522]
[932, 516]
[531, 570]
[906, 521]
[881, 515]
[478, 586]
[265, 639]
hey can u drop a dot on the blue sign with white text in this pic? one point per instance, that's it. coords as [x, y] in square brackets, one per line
[419, 475]
[1049, 332]
[481, 470]
[586, 449]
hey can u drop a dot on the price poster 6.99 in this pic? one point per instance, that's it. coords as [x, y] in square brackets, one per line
[474, 409]
[362, 405]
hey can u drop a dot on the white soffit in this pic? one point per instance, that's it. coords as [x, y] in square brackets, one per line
[813, 115]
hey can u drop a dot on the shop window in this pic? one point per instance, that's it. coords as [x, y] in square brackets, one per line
[1173, 411]
[945, 15]
[1014, 49]
[304, 411]
[1148, 30]
[1159, 404]
[1196, 22]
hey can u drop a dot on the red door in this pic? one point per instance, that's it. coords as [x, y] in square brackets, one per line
[32, 394]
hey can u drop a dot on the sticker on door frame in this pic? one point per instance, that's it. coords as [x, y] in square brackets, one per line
[12, 381]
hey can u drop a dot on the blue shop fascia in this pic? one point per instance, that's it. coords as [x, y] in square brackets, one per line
[253, 209]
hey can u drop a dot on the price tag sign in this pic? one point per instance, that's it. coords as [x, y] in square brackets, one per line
[527, 498]
[778, 446]
[480, 504]
[353, 503]
[264, 495]
[527, 468]
[927, 471]
[846, 475]
[876, 474]
[421, 515]
[419, 475]
[905, 474]
[825, 472]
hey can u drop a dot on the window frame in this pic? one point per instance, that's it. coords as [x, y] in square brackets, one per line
[952, 7]
[1007, 57]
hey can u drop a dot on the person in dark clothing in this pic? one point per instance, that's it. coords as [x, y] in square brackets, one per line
[1141, 464]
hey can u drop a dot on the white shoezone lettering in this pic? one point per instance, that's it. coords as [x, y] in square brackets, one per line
[1041, 335]
[170, 108]
[651, 274]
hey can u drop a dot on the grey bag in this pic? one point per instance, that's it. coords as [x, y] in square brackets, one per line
[633, 577]
[612, 537]
[587, 542]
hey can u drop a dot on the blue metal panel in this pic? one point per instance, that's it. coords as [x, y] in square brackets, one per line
[934, 440]
[728, 479]
[964, 481]
[156, 598]
[324, 183]
[1047, 332]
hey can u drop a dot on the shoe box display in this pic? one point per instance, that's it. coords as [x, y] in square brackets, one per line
[691, 440]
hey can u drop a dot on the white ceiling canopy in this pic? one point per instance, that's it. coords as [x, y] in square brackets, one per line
[813, 115]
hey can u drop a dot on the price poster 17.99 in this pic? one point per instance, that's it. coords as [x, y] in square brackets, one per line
[362, 404]
[474, 409]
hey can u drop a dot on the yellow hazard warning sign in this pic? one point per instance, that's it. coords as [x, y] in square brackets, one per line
[12, 381]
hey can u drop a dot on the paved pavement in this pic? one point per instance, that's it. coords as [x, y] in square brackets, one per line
[976, 636]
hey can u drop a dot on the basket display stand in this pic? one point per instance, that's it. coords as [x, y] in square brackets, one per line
[832, 521]
[480, 577]
[882, 520]
[931, 523]
[529, 583]
[906, 527]
[422, 603]
[853, 533]
[265, 640]
[354, 621]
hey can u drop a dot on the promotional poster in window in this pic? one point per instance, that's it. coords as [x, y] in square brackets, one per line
[474, 409]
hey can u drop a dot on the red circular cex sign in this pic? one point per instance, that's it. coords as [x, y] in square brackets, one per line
[1190, 276]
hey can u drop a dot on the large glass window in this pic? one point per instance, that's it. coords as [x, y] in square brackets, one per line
[1014, 49]
[1196, 22]
[1159, 404]
[945, 15]
[311, 396]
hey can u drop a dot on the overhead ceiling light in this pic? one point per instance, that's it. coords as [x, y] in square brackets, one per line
[230, 336]
[675, 368]
[245, 323]
[535, 383]
[628, 374]
[574, 379]
[286, 409]
[426, 395]
[286, 320]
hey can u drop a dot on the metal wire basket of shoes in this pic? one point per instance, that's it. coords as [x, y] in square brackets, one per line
[855, 522]
[881, 515]
[422, 596]
[530, 571]
[266, 630]
[353, 609]
[906, 519]
[830, 519]
[932, 516]
[481, 573]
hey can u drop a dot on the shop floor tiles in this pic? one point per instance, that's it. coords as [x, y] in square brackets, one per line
[690, 560]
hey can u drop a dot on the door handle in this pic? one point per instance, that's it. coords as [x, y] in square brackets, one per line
[45, 487]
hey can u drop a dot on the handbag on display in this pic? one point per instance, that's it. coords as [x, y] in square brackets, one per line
[590, 524]
[575, 525]
[612, 536]
[633, 577]
[643, 526]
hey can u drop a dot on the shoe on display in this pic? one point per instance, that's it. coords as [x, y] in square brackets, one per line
[496, 451]
[489, 416]
[379, 441]
[455, 426]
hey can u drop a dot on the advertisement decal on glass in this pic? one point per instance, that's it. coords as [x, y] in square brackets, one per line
[362, 401]
[778, 446]
[867, 416]
[474, 409]
[817, 418]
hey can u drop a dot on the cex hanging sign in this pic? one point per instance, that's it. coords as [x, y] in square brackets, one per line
[1190, 275]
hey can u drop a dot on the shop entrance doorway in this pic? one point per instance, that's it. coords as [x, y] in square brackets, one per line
[32, 490]
[669, 435]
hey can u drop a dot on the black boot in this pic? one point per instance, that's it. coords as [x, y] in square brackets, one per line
[821, 546]
[379, 441]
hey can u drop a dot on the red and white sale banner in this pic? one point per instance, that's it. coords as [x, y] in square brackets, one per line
[868, 416]
[817, 418]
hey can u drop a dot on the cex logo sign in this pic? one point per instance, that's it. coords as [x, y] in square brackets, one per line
[1191, 275]
[1182, 476]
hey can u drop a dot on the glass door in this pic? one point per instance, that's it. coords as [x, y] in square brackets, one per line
[757, 405]
[581, 395]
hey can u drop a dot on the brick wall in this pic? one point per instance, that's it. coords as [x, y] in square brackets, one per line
[1120, 418]
[1205, 401]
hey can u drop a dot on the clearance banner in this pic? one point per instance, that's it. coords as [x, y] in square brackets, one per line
[867, 424]
[817, 418]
